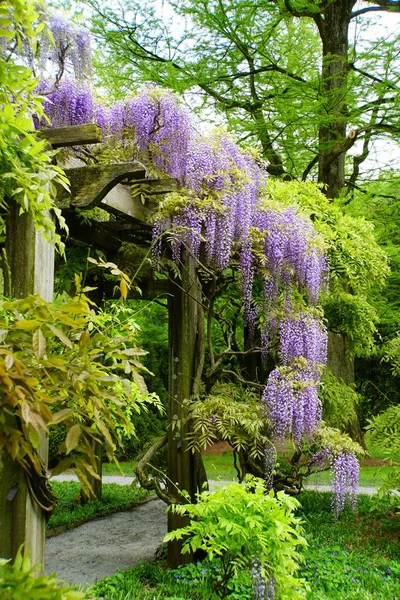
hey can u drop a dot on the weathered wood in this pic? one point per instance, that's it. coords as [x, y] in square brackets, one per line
[90, 184]
[120, 202]
[183, 324]
[31, 263]
[30, 259]
[76, 135]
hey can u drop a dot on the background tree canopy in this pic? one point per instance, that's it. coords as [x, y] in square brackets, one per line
[303, 80]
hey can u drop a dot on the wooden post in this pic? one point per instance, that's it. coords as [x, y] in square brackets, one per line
[183, 324]
[30, 262]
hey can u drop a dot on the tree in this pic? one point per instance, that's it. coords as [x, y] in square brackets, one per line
[284, 74]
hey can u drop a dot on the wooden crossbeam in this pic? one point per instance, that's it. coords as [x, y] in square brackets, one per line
[97, 185]
[90, 184]
[76, 135]
[105, 235]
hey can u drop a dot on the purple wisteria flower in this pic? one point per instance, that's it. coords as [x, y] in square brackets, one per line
[345, 475]
[70, 45]
[290, 402]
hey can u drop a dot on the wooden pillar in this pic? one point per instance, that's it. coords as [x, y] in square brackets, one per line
[183, 324]
[30, 262]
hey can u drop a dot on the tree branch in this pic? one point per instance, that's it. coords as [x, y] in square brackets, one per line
[153, 483]
[372, 77]
[253, 384]
[385, 5]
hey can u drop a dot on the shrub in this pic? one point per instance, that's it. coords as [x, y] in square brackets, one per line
[18, 582]
[246, 529]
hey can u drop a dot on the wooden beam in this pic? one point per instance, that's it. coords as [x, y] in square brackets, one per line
[99, 185]
[76, 135]
[90, 184]
[104, 235]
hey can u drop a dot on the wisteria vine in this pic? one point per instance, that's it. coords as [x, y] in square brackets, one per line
[222, 185]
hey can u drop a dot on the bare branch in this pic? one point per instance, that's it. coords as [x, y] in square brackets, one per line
[253, 384]
[153, 483]
[385, 5]
[372, 77]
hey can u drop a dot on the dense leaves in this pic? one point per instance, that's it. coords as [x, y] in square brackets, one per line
[27, 175]
[60, 365]
[238, 523]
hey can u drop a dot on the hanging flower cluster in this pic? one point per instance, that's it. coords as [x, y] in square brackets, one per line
[345, 471]
[70, 46]
[303, 336]
[290, 398]
[290, 401]
[345, 474]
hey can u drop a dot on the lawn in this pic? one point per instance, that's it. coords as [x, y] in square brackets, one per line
[69, 512]
[357, 558]
[220, 466]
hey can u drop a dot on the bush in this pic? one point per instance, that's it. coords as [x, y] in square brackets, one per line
[245, 528]
[18, 582]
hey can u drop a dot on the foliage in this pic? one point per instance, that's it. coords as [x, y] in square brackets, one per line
[385, 434]
[364, 548]
[339, 401]
[69, 511]
[61, 365]
[230, 414]
[281, 98]
[19, 581]
[358, 266]
[241, 524]
[355, 318]
[356, 261]
[27, 175]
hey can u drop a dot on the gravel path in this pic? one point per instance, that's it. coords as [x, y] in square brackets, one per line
[102, 547]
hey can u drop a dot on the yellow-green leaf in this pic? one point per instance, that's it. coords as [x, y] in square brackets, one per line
[27, 324]
[39, 344]
[72, 439]
[60, 334]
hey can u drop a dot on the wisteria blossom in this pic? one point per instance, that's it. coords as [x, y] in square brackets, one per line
[221, 207]
[290, 401]
[70, 45]
[345, 475]
[345, 471]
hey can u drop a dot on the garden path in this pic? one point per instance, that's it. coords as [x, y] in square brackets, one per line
[102, 547]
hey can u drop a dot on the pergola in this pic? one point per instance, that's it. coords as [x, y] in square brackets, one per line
[31, 264]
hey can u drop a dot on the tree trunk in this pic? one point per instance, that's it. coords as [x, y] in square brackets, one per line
[333, 26]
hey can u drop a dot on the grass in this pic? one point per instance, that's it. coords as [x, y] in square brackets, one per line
[357, 558]
[127, 468]
[69, 511]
